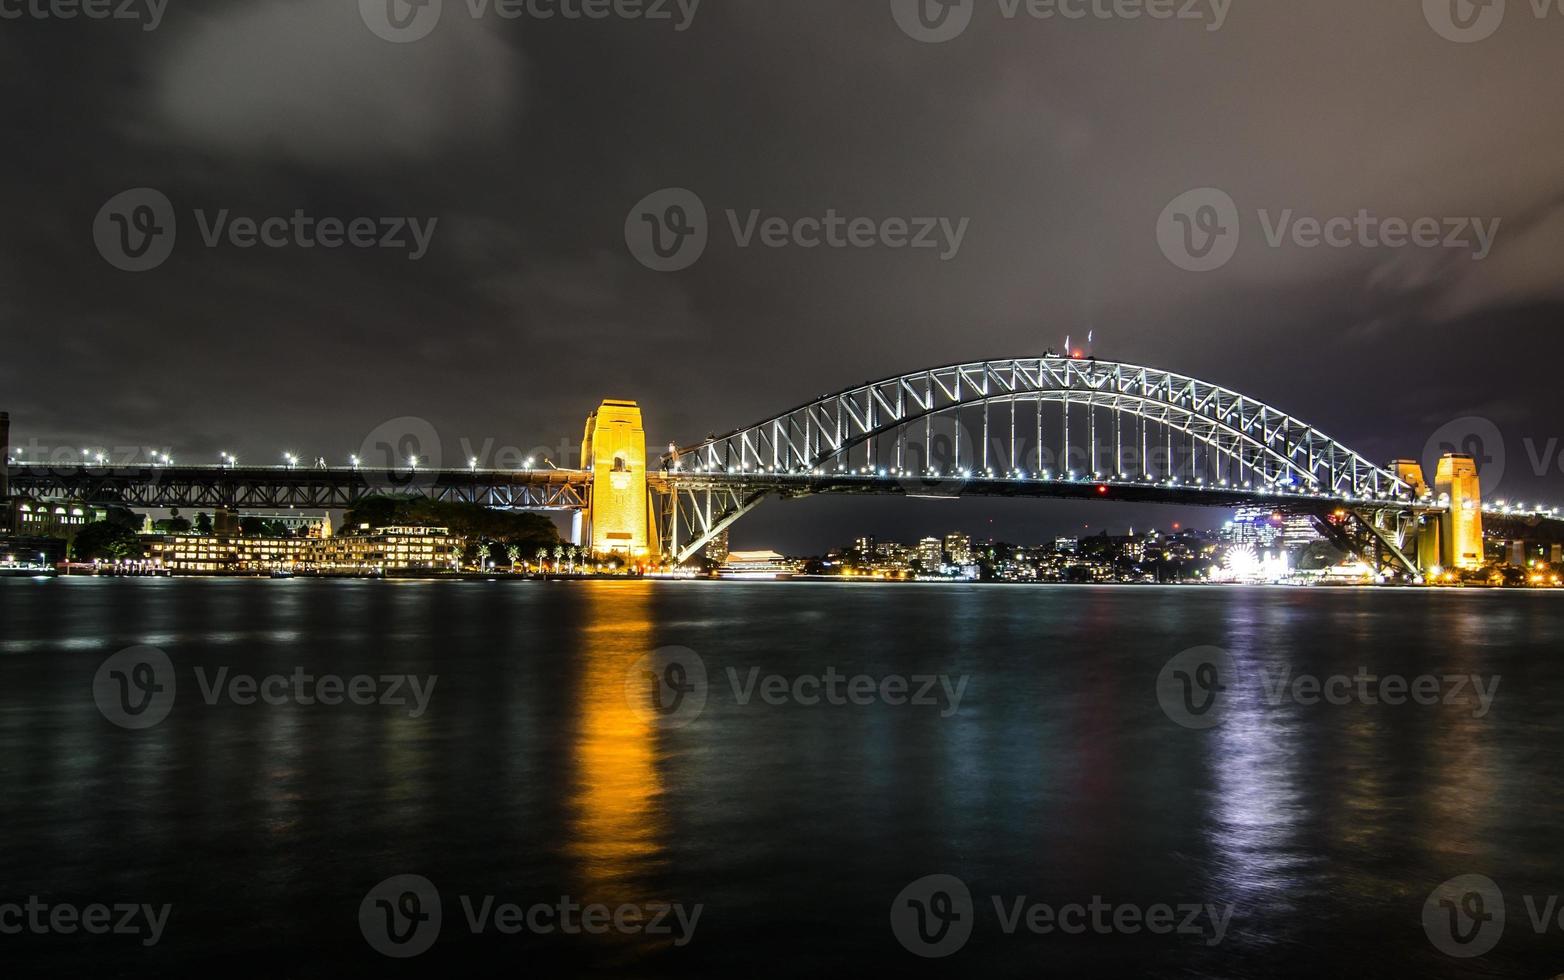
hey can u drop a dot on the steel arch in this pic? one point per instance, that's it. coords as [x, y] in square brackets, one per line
[1274, 445]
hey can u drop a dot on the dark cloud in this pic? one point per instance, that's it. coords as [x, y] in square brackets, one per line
[1061, 141]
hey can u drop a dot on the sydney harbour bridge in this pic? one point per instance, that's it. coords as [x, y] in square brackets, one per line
[1047, 427]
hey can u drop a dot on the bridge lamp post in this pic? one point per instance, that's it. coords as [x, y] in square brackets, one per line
[412, 463]
[290, 460]
[353, 461]
[472, 464]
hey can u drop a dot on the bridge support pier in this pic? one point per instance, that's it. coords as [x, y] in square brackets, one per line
[1382, 537]
[1461, 527]
[618, 518]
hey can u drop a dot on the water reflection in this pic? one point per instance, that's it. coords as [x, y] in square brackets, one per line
[617, 829]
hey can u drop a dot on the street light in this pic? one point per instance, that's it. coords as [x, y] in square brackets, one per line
[354, 461]
[290, 459]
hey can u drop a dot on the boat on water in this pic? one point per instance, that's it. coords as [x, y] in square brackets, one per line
[26, 570]
[757, 566]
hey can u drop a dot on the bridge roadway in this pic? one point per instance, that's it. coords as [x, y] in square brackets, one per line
[336, 488]
[279, 487]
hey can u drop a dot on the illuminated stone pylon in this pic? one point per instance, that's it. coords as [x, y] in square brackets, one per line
[618, 514]
[1461, 528]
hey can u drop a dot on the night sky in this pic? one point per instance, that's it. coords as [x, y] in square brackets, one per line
[1058, 142]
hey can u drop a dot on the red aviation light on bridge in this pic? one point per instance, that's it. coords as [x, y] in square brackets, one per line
[1102, 489]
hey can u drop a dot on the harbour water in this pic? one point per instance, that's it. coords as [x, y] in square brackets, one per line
[517, 764]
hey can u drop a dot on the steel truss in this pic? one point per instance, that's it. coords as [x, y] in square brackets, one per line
[1261, 442]
[268, 488]
[1379, 536]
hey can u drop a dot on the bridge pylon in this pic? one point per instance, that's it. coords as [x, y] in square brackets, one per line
[1461, 527]
[618, 518]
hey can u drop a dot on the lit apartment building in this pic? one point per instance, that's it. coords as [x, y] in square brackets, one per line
[391, 549]
[959, 547]
[931, 554]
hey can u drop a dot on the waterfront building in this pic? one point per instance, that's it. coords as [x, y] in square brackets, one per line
[51, 518]
[757, 565]
[212, 554]
[392, 549]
